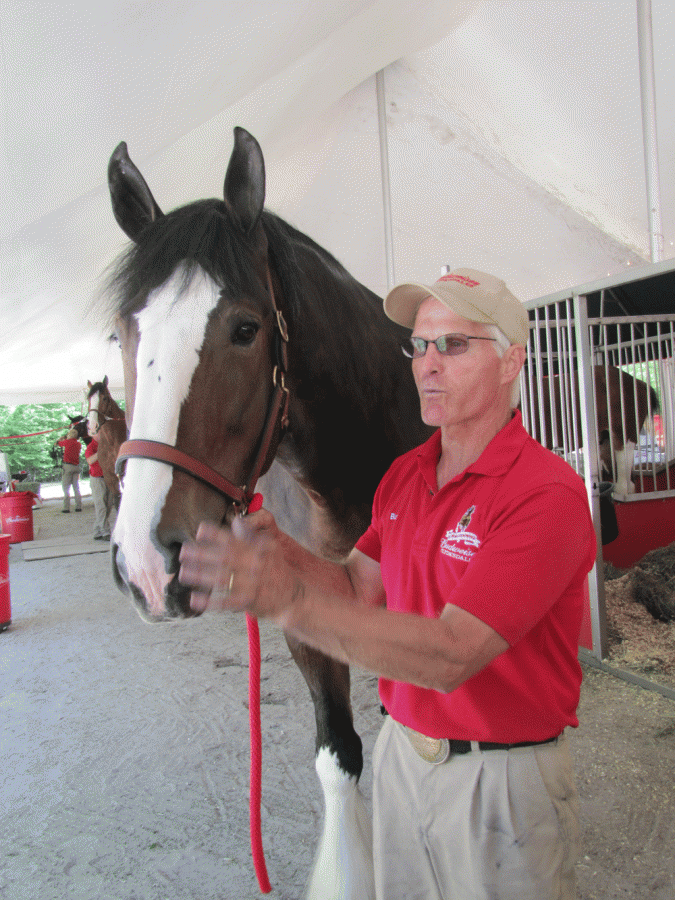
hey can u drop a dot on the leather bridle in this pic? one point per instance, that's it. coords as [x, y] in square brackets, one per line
[276, 423]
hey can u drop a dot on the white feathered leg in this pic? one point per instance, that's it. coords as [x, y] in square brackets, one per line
[343, 869]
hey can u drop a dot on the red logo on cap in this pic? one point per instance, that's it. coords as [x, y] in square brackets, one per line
[467, 282]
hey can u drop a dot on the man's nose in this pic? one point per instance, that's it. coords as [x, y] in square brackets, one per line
[432, 360]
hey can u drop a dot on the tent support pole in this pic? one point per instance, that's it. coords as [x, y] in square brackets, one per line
[648, 98]
[386, 188]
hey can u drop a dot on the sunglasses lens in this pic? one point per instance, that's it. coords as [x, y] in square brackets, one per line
[448, 345]
[452, 344]
[414, 347]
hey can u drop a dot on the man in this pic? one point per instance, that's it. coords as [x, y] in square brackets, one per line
[70, 476]
[99, 489]
[465, 596]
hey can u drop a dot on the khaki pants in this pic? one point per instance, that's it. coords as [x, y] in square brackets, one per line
[102, 506]
[492, 825]
[71, 476]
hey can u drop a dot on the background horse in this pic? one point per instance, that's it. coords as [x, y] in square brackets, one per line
[79, 424]
[228, 319]
[622, 405]
[107, 420]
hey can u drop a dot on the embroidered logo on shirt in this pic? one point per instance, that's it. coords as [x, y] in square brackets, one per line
[460, 543]
[393, 516]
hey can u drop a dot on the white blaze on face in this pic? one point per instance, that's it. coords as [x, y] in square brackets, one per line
[171, 336]
[92, 415]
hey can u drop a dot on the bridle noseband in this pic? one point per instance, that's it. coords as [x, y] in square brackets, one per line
[276, 423]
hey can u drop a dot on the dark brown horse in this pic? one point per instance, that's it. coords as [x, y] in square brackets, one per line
[622, 405]
[108, 425]
[244, 342]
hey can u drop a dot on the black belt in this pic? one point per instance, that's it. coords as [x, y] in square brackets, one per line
[465, 746]
[439, 750]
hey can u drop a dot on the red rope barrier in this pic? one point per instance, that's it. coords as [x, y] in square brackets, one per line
[256, 739]
[14, 437]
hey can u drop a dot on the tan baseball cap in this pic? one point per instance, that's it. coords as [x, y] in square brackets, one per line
[473, 295]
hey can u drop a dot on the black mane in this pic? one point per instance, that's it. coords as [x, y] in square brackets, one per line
[203, 235]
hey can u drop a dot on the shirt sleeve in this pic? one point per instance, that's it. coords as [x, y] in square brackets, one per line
[536, 548]
[369, 543]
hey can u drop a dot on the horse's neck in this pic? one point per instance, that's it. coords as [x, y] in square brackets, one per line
[354, 404]
[110, 409]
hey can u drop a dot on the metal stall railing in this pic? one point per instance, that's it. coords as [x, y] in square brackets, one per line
[558, 408]
[574, 361]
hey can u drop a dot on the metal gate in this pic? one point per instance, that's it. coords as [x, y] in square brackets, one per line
[583, 348]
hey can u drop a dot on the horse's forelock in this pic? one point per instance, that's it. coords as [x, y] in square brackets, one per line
[97, 387]
[201, 235]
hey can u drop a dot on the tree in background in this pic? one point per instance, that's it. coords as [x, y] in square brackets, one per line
[32, 454]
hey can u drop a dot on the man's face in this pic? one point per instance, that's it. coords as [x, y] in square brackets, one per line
[455, 390]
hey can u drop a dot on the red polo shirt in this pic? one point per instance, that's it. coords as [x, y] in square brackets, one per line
[71, 450]
[95, 469]
[510, 540]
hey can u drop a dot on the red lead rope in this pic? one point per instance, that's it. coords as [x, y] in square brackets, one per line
[256, 738]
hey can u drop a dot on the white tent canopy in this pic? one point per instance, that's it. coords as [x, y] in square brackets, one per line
[514, 135]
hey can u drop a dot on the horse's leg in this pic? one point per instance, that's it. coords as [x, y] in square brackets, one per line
[343, 868]
[606, 463]
[624, 459]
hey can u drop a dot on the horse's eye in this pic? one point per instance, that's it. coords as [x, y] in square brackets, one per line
[244, 334]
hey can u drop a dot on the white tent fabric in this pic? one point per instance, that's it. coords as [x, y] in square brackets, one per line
[514, 136]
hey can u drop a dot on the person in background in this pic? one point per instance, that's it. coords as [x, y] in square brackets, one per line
[465, 595]
[70, 476]
[99, 490]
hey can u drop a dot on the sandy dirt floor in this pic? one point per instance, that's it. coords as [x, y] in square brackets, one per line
[124, 752]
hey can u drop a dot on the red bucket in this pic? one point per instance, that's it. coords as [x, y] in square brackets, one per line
[5, 606]
[16, 514]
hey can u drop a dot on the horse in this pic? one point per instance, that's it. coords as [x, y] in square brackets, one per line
[248, 348]
[107, 421]
[622, 406]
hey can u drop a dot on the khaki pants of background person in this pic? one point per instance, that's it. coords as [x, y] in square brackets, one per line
[492, 825]
[102, 506]
[71, 476]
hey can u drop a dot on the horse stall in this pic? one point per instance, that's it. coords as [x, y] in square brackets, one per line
[598, 388]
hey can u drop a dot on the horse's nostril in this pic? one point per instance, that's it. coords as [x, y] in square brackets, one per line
[117, 562]
[173, 564]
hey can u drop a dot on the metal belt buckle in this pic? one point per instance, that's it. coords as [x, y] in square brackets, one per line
[432, 750]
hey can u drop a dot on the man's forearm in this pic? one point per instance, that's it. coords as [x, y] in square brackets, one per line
[400, 646]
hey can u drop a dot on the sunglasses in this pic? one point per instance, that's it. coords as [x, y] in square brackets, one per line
[447, 344]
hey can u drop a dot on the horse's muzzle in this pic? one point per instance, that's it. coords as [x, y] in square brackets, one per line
[176, 597]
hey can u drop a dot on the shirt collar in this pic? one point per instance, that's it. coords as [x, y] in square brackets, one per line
[497, 458]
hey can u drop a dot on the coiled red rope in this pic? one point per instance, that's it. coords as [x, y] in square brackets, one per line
[255, 797]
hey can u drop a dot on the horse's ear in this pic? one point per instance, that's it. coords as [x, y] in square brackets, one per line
[105, 381]
[89, 384]
[245, 180]
[132, 202]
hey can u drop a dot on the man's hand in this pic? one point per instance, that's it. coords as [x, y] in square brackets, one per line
[237, 570]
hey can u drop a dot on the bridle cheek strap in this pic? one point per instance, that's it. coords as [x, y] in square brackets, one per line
[275, 425]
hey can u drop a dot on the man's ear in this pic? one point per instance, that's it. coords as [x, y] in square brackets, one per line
[512, 362]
